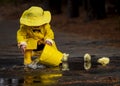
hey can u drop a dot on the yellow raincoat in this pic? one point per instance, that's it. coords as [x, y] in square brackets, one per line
[34, 32]
[32, 37]
[26, 34]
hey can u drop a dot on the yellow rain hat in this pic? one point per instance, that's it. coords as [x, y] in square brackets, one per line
[35, 16]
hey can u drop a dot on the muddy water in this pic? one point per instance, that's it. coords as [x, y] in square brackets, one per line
[74, 74]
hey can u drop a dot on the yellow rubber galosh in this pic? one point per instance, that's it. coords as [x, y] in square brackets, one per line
[51, 56]
[27, 57]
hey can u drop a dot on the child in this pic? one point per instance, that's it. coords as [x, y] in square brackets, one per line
[34, 32]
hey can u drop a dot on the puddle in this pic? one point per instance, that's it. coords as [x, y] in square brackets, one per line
[73, 74]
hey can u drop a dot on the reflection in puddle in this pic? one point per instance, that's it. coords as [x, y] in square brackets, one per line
[87, 65]
[44, 79]
[33, 78]
[65, 66]
[10, 81]
[69, 73]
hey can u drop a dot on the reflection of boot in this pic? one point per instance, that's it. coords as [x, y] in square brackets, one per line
[65, 66]
[87, 61]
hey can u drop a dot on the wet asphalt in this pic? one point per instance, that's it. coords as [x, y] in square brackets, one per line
[12, 72]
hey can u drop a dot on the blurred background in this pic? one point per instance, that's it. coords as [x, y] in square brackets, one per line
[92, 19]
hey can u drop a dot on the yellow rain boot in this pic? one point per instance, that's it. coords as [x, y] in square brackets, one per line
[27, 57]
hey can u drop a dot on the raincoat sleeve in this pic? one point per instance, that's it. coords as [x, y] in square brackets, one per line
[49, 35]
[21, 36]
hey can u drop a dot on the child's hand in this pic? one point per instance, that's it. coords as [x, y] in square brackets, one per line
[23, 47]
[48, 42]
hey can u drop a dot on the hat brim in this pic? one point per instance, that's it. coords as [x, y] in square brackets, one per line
[36, 21]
